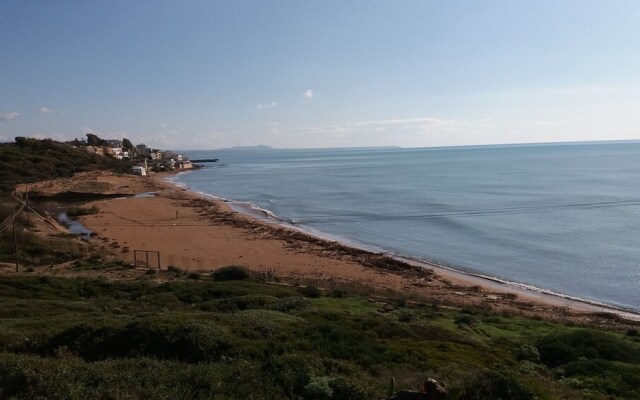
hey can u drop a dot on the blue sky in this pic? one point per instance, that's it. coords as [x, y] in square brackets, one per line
[290, 74]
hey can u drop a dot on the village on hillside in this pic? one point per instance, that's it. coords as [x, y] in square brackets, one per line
[145, 159]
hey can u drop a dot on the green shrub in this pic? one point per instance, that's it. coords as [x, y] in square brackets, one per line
[158, 338]
[338, 293]
[311, 291]
[613, 378]
[350, 389]
[231, 273]
[554, 353]
[464, 319]
[341, 341]
[288, 304]
[528, 353]
[497, 384]
[405, 316]
[238, 303]
[193, 275]
[174, 270]
[318, 389]
[556, 350]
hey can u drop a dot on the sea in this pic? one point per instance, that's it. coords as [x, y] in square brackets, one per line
[563, 218]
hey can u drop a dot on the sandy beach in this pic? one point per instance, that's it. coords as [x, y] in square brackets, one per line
[196, 233]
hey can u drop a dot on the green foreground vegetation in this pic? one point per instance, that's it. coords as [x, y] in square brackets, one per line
[195, 337]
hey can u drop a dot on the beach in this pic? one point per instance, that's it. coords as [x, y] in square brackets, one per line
[199, 234]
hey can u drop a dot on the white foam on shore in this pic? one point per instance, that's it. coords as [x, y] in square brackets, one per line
[547, 295]
[172, 180]
[551, 297]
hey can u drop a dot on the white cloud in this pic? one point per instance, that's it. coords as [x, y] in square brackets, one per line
[555, 123]
[163, 126]
[47, 110]
[308, 93]
[8, 116]
[262, 106]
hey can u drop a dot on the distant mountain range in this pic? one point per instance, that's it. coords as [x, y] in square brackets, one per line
[258, 147]
[265, 147]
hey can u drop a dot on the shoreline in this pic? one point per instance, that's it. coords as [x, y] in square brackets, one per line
[531, 292]
[198, 232]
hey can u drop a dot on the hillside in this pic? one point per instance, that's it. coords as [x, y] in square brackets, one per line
[35, 160]
[32, 160]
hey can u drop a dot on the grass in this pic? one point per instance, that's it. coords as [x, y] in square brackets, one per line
[87, 338]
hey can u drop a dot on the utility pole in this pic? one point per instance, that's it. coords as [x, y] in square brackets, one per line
[26, 197]
[15, 238]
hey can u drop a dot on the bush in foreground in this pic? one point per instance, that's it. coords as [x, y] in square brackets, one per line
[231, 273]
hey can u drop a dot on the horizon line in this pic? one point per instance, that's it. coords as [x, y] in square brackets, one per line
[512, 144]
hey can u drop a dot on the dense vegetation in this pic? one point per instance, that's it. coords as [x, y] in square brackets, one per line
[31, 160]
[232, 339]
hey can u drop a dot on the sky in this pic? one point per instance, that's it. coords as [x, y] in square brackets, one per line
[189, 74]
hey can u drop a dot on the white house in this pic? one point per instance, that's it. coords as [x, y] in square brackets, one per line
[138, 171]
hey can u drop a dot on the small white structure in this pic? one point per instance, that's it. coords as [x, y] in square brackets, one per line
[139, 171]
[185, 164]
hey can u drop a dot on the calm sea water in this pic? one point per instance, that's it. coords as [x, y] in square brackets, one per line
[560, 217]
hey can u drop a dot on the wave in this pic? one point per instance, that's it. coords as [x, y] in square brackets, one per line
[473, 213]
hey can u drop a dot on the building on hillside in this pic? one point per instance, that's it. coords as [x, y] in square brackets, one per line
[99, 150]
[113, 143]
[137, 170]
[155, 154]
[90, 149]
[184, 164]
[114, 151]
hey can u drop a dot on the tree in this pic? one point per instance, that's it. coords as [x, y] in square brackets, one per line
[21, 141]
[94, 140]
[127, 145]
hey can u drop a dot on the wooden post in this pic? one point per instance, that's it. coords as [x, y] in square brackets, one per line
[15, 238]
